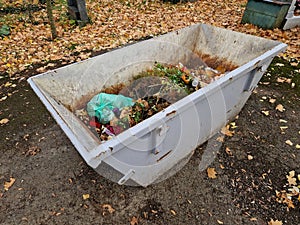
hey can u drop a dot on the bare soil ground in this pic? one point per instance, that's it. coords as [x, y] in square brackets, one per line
[52, 180]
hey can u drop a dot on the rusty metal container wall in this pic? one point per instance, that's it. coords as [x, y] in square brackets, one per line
[157, 147]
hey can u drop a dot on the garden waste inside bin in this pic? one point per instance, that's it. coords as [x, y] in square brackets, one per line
[158, 146]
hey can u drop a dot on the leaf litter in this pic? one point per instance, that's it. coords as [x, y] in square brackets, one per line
[290, 194]
[8, 184]
[115, 23]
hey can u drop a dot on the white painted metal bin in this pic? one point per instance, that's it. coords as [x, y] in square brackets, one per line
[153, 149]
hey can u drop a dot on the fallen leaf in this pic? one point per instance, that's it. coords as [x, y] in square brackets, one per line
[32, 151]
[253, 219]
[228, 151]
[225, 130]
[276, 222]
[220, 222]
[4, 121]
[288, 142]
[266, 113]
[282, 121]
[279, 64]
[233, 125]
[211, 173]
[7, 185]
[294, 191]
[282, 128]
[3, 98]
[173, 212]
[280, 108]
[280, 80]
[7, 84]
[288, 80]
[272, 100]
[108, 208]
[289, 203]
[297, 146]
[250, 157]
[85, 196]
[291, 179]
[294, 63]
[134, 221]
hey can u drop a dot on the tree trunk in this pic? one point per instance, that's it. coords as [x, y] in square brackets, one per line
[51, 20]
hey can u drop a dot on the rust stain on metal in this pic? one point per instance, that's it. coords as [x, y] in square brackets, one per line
[81, 103]
[214, 62]
[164, 156]
[171, 113]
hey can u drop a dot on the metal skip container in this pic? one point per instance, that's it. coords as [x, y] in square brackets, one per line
[157, 147]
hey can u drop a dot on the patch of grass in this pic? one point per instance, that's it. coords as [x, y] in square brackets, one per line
[282, 68]
[283, 78]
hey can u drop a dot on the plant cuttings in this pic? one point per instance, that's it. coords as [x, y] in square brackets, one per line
[149, 92]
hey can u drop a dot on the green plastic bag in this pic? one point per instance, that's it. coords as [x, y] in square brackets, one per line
[102, 105]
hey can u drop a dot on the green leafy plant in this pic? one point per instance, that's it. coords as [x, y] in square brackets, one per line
[4, 30]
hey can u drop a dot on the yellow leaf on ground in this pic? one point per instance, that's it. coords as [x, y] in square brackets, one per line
[250, 157]
[276, 222]
[228, 151]
[85, 196]
[4, 121]
[280, 108]
[225, 130]
[266, 113]
[211, 173]
[220, 222]
[7, 84]
[108, 208]
[233, 125]
[291, 179]
[294, 63]
[280, 80]
[173, 212]
[282, 121]
[7, 185]
[288, 142]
